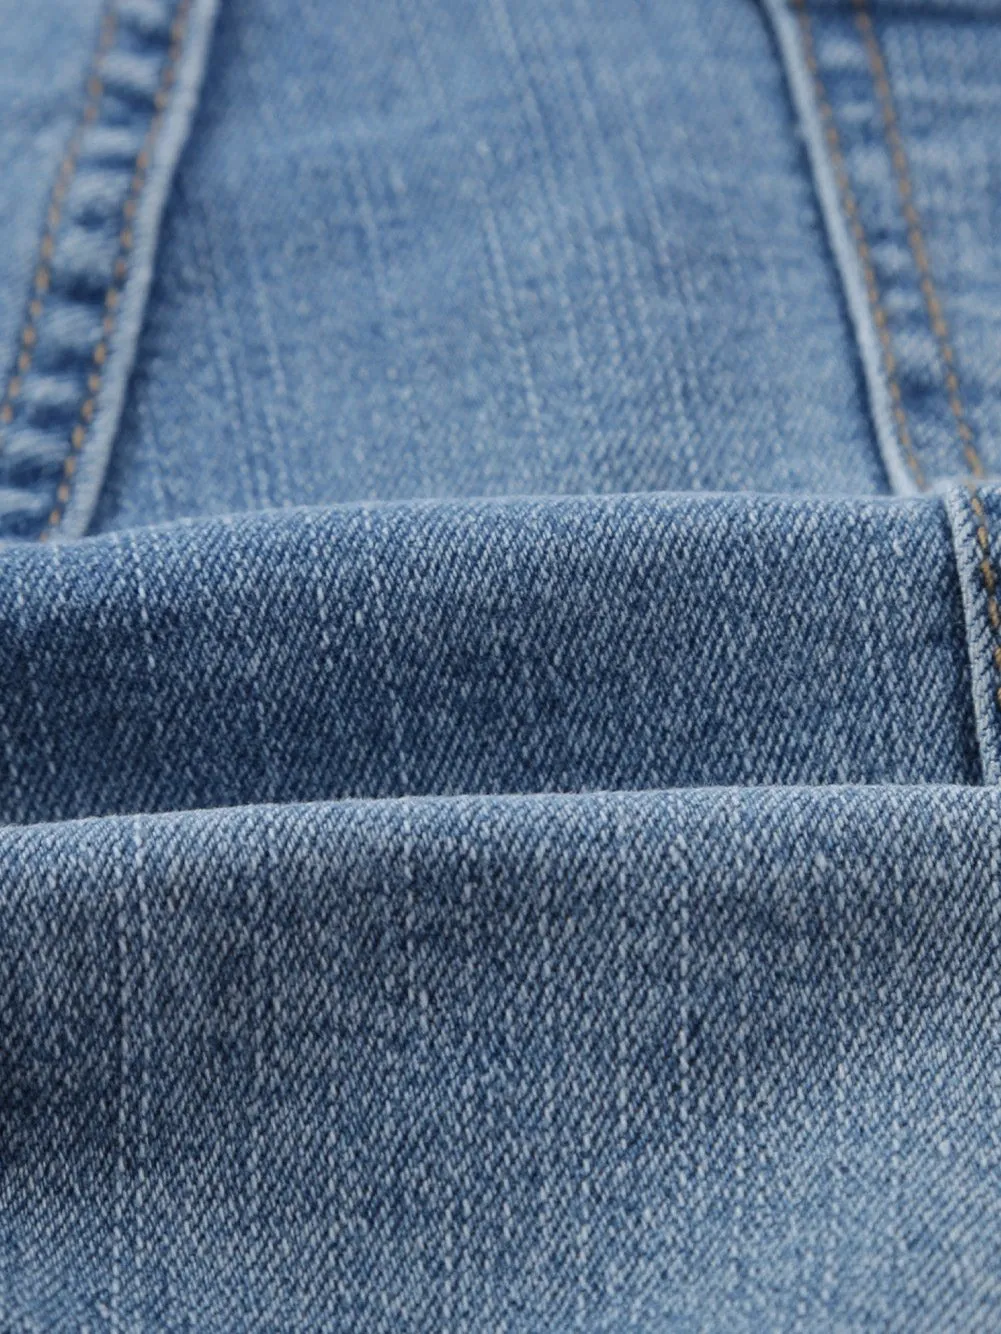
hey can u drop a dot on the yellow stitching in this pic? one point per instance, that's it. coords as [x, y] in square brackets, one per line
[936, 317]
[915, 235]
[851, 211]
[113, 294]
[64, 176]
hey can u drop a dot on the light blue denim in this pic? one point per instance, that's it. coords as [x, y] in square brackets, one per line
[638, 1060]
[500, 665]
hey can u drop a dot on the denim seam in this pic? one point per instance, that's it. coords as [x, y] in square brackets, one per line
[915, 234]
[981, 537]
[126, 238]
[847, 236]
[978, 574]
[164, 42]
[988, 575]
[42, 279]
[973, 550]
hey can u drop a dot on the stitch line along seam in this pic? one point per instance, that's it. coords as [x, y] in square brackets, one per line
[937, 321]
[120, 273]
[990, 582]
[42, 276]
[850, 208]
[915, 234]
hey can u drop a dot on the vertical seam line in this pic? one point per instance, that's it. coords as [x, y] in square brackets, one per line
[42, 277]
[937, 322]
[989, 577]
[850, 209]
[915, 233]
[112, 296]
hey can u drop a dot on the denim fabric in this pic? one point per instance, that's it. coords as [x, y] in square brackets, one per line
[63, 398]
[899, 104]
[484, 249]
[562, 645]
[716, 1059]
[975, 515]
[955, 167]
[36, 129]
[453, 874]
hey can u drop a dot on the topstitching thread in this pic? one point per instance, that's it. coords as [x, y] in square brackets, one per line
[42, 278]
[849, 205]
[120, 273]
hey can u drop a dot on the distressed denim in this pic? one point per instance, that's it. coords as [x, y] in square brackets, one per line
[500, 665]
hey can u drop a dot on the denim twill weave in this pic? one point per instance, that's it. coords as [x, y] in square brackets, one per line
[536, 1062]
[517, 646]
[500, 666]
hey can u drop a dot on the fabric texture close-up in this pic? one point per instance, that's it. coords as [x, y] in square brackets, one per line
[500, 665]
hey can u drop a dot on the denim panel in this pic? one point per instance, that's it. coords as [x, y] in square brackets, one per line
[45, 67]
[62, 400]
[949, 104]
[903, 125]
[518, 646]
[437, 249]
[715, 1060]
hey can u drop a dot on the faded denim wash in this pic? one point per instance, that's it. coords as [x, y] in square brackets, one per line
[500, 665]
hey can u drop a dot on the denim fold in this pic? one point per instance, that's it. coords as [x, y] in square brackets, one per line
[500, 665]
[721, 1058]
[523, 645]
